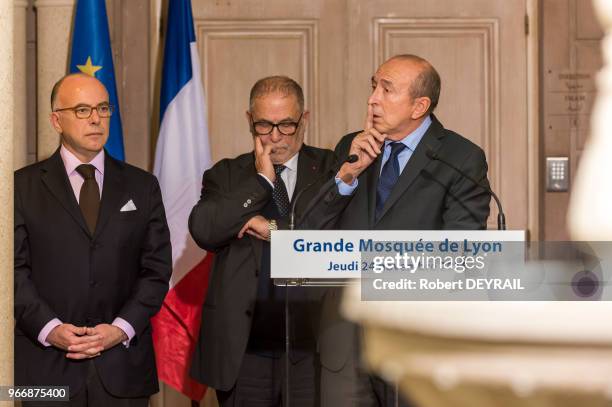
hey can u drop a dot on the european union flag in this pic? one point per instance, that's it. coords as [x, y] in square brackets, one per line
[91, 54]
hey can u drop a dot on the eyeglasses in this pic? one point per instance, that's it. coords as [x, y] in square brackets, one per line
[84, 111]
[286, 128]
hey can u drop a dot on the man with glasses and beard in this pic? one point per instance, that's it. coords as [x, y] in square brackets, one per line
[241, 349]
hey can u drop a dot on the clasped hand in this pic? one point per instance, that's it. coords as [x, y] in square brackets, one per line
[85, 342]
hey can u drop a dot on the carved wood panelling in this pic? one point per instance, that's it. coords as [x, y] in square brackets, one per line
[470, 96]
[234, 54]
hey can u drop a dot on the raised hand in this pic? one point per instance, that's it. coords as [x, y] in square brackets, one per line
[367, 145]
[263, 161]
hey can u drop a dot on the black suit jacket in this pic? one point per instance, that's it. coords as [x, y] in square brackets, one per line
[62, 271]
[232, 193]
[428, 195]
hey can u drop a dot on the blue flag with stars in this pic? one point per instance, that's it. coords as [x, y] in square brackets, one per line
[91, 54]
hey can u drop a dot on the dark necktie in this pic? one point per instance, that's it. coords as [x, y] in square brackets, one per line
[89, 197]
[281, 198]
[388, 177]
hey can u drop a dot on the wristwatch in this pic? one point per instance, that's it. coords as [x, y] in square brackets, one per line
[271, 226]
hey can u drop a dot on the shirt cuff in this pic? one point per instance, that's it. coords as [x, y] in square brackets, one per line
[42, 336]
[346, 189]
[267, 179]
[125, 327]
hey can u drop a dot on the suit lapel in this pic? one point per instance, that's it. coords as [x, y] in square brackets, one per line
[413, 168]
[307, 172]
[371, 185]
[112, 190]
[56, 180]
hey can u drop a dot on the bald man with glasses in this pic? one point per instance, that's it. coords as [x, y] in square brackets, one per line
[92, 261]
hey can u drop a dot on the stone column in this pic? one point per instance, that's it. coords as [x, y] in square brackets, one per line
[20, 149]
[6, 194]
[54, 22]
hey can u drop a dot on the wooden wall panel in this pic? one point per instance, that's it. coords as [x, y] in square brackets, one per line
[480, 50]
[472, 45]
[587, 26]
[234, 55]
[310, 19]
[572, 49]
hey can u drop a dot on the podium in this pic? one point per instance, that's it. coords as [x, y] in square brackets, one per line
[326, 259]
[546, 345]
[334, 257]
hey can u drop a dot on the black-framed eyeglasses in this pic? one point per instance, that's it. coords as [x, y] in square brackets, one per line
[286, 128]
[84, 111]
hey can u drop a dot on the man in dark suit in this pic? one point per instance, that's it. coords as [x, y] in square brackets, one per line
[92, 261]
[393, 185]
[241, 351]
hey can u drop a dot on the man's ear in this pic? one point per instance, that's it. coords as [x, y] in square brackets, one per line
[54, 120]
[421, 105]
[306, 116]
[248, 117]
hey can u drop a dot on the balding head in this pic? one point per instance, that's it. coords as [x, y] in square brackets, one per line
[81, 114]
[72, 80]
[281, 85]
[427, 83]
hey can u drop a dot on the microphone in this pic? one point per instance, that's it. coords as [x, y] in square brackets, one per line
[501, 218]
[350, 159]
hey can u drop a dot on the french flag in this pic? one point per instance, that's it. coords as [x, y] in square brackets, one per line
[181, 157]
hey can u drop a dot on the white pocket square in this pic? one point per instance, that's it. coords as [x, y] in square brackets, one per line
[128, 207]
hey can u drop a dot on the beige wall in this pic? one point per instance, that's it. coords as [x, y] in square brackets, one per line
[571, 44]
